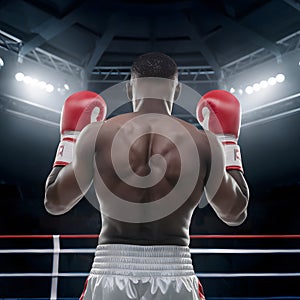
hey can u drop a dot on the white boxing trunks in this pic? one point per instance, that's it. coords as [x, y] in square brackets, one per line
[122, 271]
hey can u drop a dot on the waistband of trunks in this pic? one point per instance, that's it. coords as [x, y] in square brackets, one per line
[142, 261]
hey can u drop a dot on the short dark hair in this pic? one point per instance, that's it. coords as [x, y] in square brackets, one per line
[154, 64]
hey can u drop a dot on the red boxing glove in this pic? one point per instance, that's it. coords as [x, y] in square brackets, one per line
[219, 112]
[79, 110]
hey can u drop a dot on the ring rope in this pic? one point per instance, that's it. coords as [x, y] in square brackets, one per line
[207, 275]
[195, 236]
[57, 250]
[193, 251]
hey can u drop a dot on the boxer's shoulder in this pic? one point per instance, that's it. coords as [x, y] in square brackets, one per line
[199, 136]
[92, 128]
[117, 121]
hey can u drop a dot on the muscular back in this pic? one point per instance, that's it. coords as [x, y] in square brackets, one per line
[148, 172]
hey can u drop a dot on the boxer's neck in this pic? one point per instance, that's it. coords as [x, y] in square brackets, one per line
[150, 105]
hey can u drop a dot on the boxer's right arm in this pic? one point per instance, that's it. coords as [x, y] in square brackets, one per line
[62, 191]
[67, 185]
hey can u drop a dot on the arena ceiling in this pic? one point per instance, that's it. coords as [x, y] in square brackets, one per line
[112, 33]
[219, 36]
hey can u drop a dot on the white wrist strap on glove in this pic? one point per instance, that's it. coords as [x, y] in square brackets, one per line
[233, 160]
[65, 149]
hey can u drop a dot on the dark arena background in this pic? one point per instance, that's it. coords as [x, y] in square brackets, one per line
[52, 49]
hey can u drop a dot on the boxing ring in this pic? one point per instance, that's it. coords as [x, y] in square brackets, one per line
[56, 250]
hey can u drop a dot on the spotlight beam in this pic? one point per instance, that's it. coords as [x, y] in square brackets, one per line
[27, 116]
[272, 103]
[31, 103]
[271, 118]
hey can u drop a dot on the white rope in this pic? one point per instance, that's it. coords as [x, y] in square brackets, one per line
[44, 275]
[243, 251]
[248, 274]
[197, 274]
[46, 251]
[193, 251]
[56, 251]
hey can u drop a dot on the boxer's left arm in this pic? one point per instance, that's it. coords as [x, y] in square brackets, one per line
[66, 185]
[219, 113]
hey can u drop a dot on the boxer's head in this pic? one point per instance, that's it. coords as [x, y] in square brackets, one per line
[154, 64]
[154, 76]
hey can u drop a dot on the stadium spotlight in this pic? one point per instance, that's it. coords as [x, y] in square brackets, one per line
[34, 82]
[263, 84]
[280, 78]
[1, 62]
[256, 87]
[42, 85]
[19, 76]
[249, 90]
[27, 79]
[66, 87]
[232, 90]
[49, 88]
[272, 81]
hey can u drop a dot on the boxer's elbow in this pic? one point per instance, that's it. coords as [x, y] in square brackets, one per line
[53, 209]
[52, 204]
[235, 220]
[237, 214]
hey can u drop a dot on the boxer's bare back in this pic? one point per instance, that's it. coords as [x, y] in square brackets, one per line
[174, 228]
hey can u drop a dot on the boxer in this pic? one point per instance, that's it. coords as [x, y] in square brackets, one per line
[151, 259]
